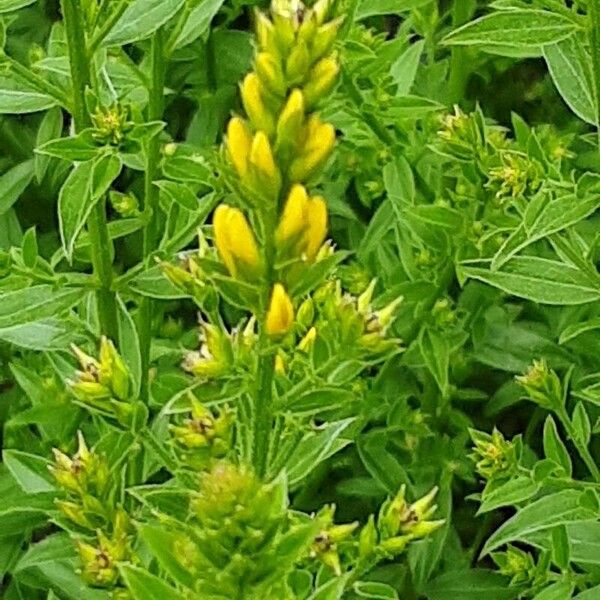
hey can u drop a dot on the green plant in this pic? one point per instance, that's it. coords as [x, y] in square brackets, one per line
[299, 300]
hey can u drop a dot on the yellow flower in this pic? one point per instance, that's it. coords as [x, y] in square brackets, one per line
[280, 315]
[254, 105]
[308, 341]
[303, 224]
[320, 140]
[289, 126]
[261, 156]
[235, 241]
[239, 142]
[322, 79]
[270, 72]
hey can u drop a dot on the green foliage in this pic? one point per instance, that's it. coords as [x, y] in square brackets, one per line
[383, 382]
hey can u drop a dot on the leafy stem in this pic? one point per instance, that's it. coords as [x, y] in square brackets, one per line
[583, 450]
[155, 112]
[100, 242]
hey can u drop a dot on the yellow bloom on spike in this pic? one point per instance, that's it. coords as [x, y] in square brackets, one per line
[280, 316]
[270, 72]
[239, 142]
[289, 126]
[254, 105]
[261, 156]
[320, 140]
[293, 220]
[317, 227]
[322, 79]
[235, 241]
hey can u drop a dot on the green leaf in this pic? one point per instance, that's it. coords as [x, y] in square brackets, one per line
[581, 424]
[47, 334]
[35, 303]
[162, 543]
[85, 186]
[30, 471]
[332, 590]
[519, 29]
[10, 5]
[50, 129]
[141, 19]
[591, 594]
[470, 584]
[514, 491]
[129, 346]
[561, 548]
[576, 329]
[371, 8]
[377, 591]
[404, 69]
[145, 586]
[554, 448]
[547, 512]
[537, 279]
[561, 590]
[17, 98]
[13, 183]
[380, 463]
[198, 22]
[314, 448]
[436, 354]
[570, 65]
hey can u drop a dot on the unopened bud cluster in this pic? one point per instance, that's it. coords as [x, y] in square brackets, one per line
[88, 504]
[542, 385]
[495, 457]
[104, 384]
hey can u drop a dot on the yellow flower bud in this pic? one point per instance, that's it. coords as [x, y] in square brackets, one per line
[289, 126]
[264, 32]
[293, 220]
[321, 81]
[261, 157]
[298, 63]
[320, 140]
[270, 72]
[254, 105]
[280, 315]
[324, 38]
[308, 341]
[239, 142]
[321, 9]
[317, 227]
[364, 300]
[279, 364]
[235, 241]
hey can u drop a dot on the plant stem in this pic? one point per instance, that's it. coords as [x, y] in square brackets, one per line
[263, 394]
[462, 11]
[583, 450]
[97, 226]
[151, 231]
[594, 17]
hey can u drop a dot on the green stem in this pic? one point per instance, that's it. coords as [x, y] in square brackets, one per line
[37, 82]
[462, 11]
[98, 231]
[151, 231]
[263, 393]
[583, 450]
[594, 17]
[107, 26]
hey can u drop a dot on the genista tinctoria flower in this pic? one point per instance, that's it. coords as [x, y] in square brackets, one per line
[276, 149]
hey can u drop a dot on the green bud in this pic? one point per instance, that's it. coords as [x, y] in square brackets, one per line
[367, 540]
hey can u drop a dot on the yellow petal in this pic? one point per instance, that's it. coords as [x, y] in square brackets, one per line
[261, 156]
[252, 98]
[322, 79]
[317, 226]
[239, 142]
[222, 240]
[320, 140]
[294, 218]
[243, 245]
[280, 315]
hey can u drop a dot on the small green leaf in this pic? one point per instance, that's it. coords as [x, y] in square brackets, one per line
[554, 448]
[581, 424]
[85, 186]
[17, 98]
[198, 22]
[332, 590]
[13, 183]
[50, 129]
[30, 471]
[470, 584]
[145, 586]
[374, 590]
[141, 19]
[11, 5]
